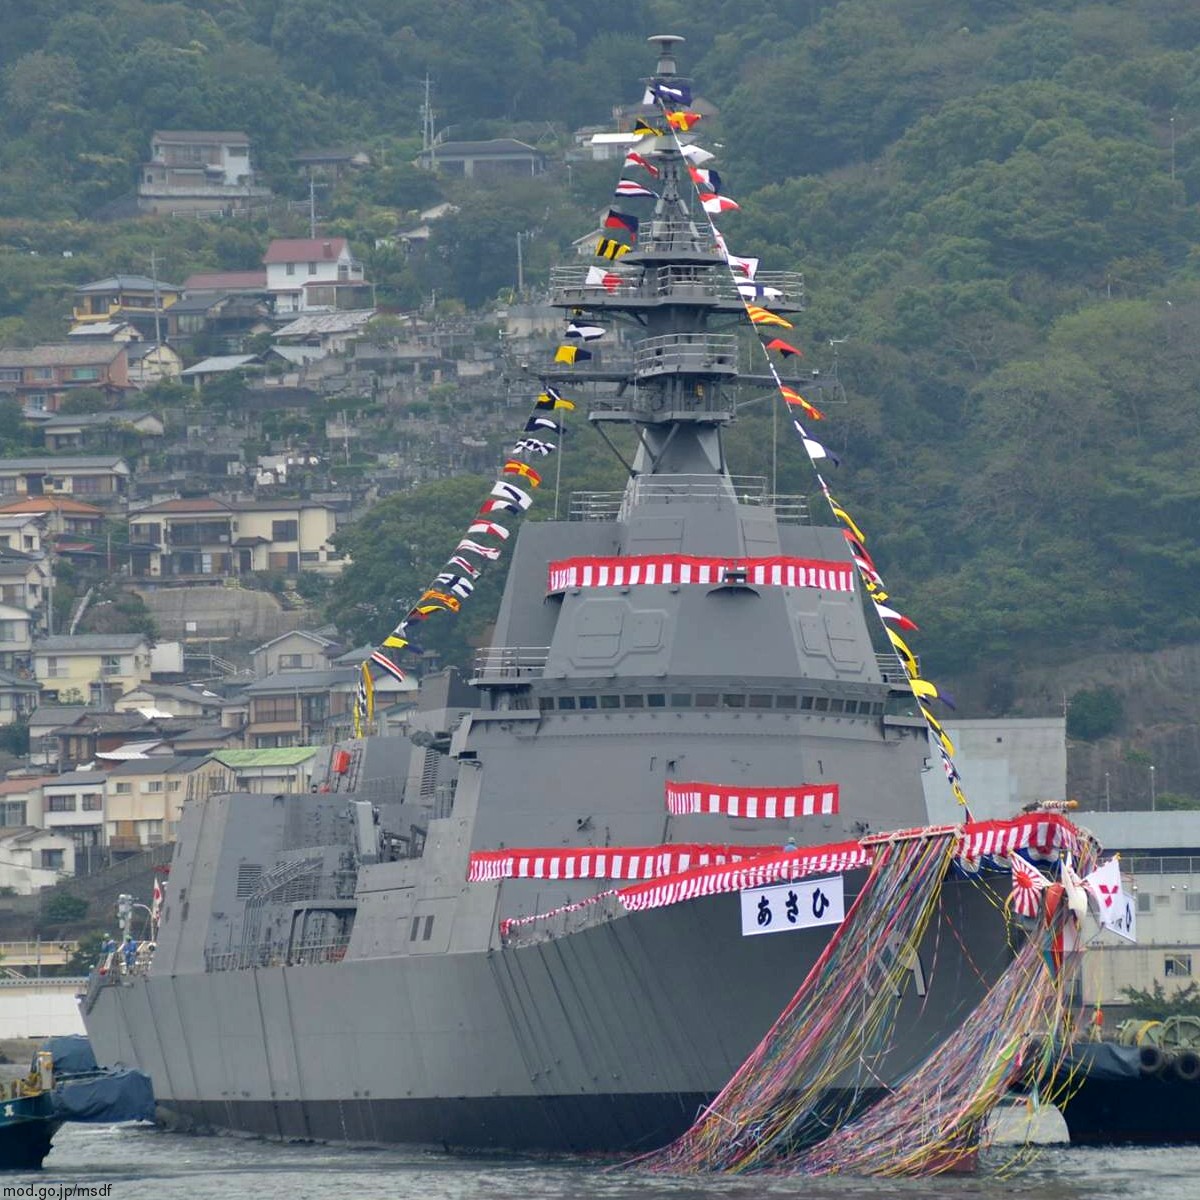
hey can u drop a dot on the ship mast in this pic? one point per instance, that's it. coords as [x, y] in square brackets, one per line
[677, 295]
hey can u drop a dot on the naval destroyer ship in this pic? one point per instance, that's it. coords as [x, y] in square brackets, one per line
[325, 966]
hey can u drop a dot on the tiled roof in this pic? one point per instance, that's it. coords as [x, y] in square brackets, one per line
[201, 135]
[220, 281]
[132, 283]
[63, 354]
[201, 505]
[283, 250]
[90, 643]
[56, 465]
[44, 504]
[222, 362]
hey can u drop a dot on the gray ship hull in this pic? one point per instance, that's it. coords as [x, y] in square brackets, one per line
[609, 1039]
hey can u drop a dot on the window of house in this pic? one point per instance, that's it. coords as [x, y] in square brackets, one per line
[10, 631]
[275, 708]
[12, 813]
[294, 662]
[124, 789]
[10, 375]
[36, 402]
[110, 664]
[1177, 966]
[60, 803]
[42, 373]
[52, 860]
[152, 786]
[54, 667]
[93, 802]
[290, 268]
[85, 373]
[312, 268]
[284, 531]
[282, 560]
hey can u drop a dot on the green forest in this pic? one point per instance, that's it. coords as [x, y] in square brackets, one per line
[994, 203]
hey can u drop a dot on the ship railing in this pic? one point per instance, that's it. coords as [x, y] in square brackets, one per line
[685, 489]
[275, 953]
[673, 235]
[672, 353]
[704, 283]
[1161, 864]
[655, 405]
[495, 664]
[890, 670]
[597, 910]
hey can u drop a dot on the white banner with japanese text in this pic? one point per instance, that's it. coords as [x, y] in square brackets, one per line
[786, 906]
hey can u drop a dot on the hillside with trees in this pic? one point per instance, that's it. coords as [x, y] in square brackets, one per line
[994, 205]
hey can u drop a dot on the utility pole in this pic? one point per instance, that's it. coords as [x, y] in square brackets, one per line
[427, 134]
[520, 268]
[312, 206]
[157, 306]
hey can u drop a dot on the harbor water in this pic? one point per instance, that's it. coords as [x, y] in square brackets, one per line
[143, 1163]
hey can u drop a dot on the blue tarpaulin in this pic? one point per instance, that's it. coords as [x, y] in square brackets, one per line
[72, 1054]
[102, 1099]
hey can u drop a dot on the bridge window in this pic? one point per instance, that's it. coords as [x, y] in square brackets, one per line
[587, 702]
[566, 703]
[733, 700]
[610, 701]
[760, 701]
[635, 701]
[706, 699]
[656, 700]
[785, 701]
[681, 699]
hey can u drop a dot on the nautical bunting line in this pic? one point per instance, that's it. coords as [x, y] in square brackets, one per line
[608, 862]
[761, 317]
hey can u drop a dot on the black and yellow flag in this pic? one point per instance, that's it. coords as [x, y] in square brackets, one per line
[608, 248]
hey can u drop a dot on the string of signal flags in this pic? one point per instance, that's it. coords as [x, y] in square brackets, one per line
[513, 492]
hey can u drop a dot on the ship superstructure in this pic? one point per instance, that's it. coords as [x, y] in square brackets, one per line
[327, 967]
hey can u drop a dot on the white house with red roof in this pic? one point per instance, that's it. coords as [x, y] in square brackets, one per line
[314, 275]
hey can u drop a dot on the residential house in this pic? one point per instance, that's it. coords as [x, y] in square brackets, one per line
[298, 650]
[293, 708]
[213, 538]
[91, 666]
[31, 859]
[218, 321]
[158, 700]
[330, 163]
[220, 366]
[18, 697]
[99, 431]
[41, 377]
[497, 158]
[103, 479]
[144, 799]
[332, 333]
[44, 721]
[21, 801]
[62, 515]
[24, 531]
[151, 363]
[74, 807]
[198, 171]
[100, 737]
[264, 772]
[16, 638]
[25, 581]
[315, 274]
[134, 299]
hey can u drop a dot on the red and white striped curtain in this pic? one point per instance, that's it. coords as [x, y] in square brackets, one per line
[631, 570]
[805, 800]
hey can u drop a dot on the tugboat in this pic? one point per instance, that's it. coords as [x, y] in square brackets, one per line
[677, 667]
[28, 1121]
